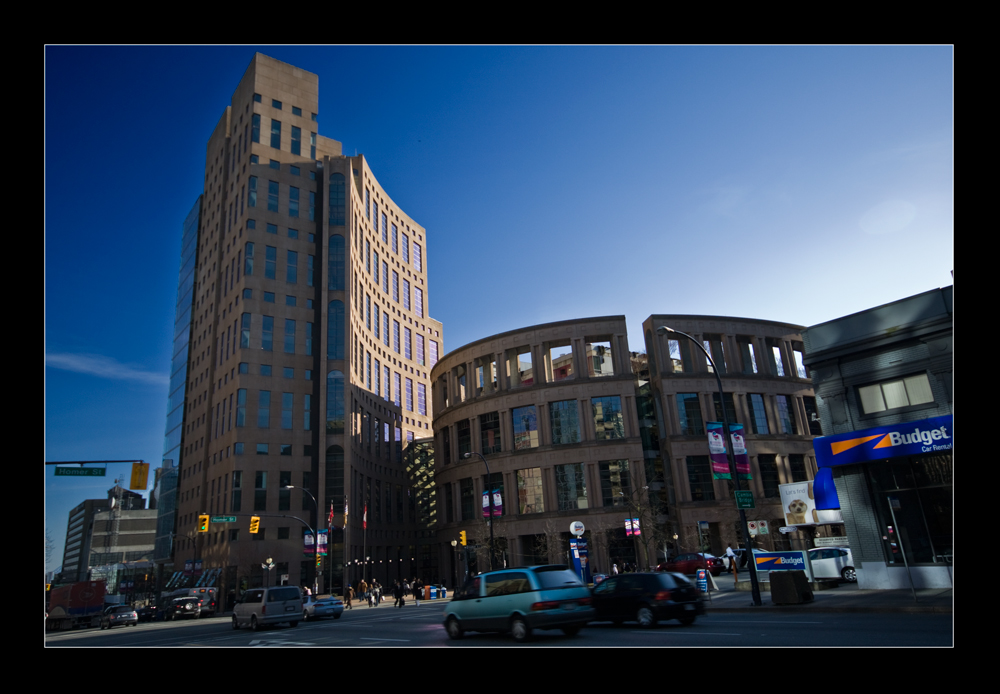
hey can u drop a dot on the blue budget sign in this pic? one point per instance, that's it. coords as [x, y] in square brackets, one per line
[782, 561]
[934, 435]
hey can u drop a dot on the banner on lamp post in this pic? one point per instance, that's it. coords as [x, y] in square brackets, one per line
[717, 451]
[497, 504]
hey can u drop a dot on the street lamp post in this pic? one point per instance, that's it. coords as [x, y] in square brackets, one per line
[454, 565]
[663, 330]
[489, 493]
[315, 536]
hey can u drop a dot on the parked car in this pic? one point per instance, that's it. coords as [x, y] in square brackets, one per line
[261, 607]
[688, 564]
[647, 598]
[147, 613]
[182, 608]
[313, 607]
[519, 601]
[833, 562]
[119, 615]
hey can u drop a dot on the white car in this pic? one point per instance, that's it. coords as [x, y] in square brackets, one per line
[313, 607]
[833, 562]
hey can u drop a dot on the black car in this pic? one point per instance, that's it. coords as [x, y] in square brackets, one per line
[147, 613]
[647, 598]
[178, 608]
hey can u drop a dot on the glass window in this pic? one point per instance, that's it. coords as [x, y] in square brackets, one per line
[255, 128]
[489, 428]
[267, 334]
[786, 418]
[295, 171]
[296, 140]
[245, 331]
[525, 423]
[406, 248]
[561, 361]
[689, 411]
[422, 398]
[265, 369]
[272, 196]
[529, 491]
[241, 407]
[418, 300]
[292, 269]
[272, 228]
[747, 354]
[609, 423]
[275, 164]
[286, 414]
[289, 336]
[769, 479]
[288, 372]
[812, 416]
[335, 403]
[276, 133]
[680, 355]
[289, 300]
[730, 407]
[758, 414]
[565, 422]
[409, 394]
[571, 488]
[406, 294]
[464, 430]
[276, 104]
[264, 409]
[417, 262]
[407, 343]
[293, 201]
[700, 478]
[269, 297]
[889, 395]
[615, 484]
[338, 204]
[252, 190]
[260, 491]
[468, 498]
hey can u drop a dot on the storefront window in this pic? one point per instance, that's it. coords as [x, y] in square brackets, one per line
[914, 503]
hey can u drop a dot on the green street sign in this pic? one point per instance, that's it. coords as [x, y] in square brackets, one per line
[80, 472]
[744, 499]
[223, 519]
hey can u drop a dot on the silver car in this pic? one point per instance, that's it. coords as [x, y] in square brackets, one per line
[520, 600]
[313, 607]
[261, 607]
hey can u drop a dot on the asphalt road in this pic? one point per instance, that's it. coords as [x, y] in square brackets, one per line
[421, 626]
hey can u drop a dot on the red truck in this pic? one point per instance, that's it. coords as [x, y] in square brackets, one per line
[75, 605]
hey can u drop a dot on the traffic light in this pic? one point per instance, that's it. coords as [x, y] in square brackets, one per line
[254, 524]
[203, 524]
[463, 538]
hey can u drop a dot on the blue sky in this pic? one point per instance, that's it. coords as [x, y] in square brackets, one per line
[794, 184]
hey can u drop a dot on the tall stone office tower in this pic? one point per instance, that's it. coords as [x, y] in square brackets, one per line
[308, 354]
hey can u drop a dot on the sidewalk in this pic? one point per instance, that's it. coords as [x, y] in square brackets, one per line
[846, 597]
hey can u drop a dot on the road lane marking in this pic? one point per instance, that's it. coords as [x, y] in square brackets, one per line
[402, 640]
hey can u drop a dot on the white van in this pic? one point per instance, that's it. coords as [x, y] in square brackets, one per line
[261, 607]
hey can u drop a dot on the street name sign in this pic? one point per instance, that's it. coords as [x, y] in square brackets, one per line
[223, 519]
[744, 499]
[80, 472]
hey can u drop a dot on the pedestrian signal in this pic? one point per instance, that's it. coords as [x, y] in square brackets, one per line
[463, 537]
[203, 524]
[254, 524]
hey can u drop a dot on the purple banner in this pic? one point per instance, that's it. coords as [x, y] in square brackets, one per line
[307, 544]
[740, 451]
[717, 451]
[497, 504]
[323, 534]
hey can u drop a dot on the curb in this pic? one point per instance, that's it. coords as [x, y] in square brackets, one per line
[795, 609]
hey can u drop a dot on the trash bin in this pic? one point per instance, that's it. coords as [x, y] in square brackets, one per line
[434, 592]
[790, 588]
[427, 592]
[443, 592]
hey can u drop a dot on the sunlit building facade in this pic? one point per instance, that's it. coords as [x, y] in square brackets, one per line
[309, 352]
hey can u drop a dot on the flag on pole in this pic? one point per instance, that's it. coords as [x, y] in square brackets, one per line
[330, 519]
[364, 518]
[345, 511]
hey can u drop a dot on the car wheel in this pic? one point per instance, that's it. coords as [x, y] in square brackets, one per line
[849, 574]
[686, 621]
[253, 623]
[236, 624]
[519, 629]
[645, 617]
[571, 631]
[454, 629]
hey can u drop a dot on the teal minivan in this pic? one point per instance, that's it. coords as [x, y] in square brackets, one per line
[519, 601]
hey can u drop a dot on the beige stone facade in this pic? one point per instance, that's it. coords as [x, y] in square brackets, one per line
[552, 409]
[761, 368]
[306, 271]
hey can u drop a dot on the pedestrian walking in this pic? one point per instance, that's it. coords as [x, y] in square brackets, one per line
[418, 586]
[348, 596]
[396, 592]
[614, 569]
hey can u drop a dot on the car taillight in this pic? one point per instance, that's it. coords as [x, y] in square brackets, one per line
[263, 609]
[662, 596]
[547, 605]
[585, 601]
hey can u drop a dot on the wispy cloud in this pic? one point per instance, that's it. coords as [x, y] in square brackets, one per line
[104, 367]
